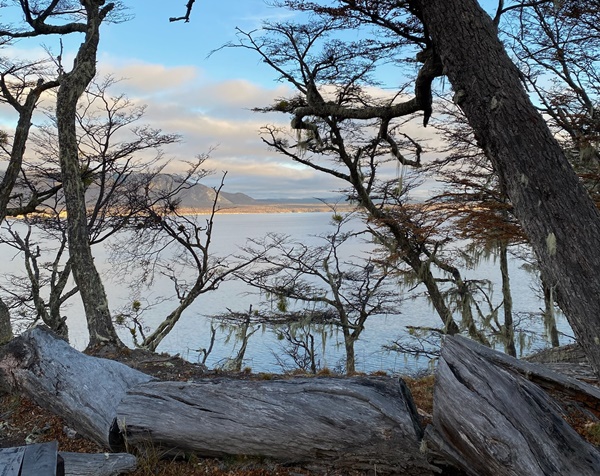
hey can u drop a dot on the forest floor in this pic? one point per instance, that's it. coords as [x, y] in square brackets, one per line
[23, 422]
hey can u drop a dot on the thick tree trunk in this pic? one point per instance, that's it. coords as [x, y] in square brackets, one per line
[84, 390]
[494, 415]
[558, 216]
[72, 86]
[348, 423]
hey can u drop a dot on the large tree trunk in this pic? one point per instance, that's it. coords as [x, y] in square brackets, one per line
[72, 86]
[496, 416]
[560, 219]
[350, 423]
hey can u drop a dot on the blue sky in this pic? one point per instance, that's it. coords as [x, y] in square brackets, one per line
[206, 99]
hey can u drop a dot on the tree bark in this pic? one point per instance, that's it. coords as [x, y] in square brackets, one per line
[5, 327]
[84, 390]
[495, 416]
[346, 423]
[102, 464]
[72, 86]
[557, 214]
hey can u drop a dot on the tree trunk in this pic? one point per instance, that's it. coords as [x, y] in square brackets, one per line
[350, 354]
[72, 86]
[550, 314]
[557, 214]
[84, 390]
[508, 329]
[494, 415]
[5, 327]
[21, 135]
[13, 169]
[367, 424]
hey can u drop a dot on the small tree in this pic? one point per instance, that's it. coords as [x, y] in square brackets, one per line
[347, 290]
[21, 86]
[165, 241]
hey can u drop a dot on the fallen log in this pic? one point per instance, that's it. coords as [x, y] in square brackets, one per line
[101, 464]
[493, 416]
[83, 390]
[359, 423]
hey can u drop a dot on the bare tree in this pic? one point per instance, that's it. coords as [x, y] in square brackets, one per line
[165, 241]
[56, 18]
[345, 132]
[459, 40]
[110, 144]
[344, 290]
[21, 87]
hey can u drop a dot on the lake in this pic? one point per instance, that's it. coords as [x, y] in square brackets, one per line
[192, 332]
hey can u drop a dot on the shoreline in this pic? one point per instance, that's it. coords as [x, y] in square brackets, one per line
[274, 208]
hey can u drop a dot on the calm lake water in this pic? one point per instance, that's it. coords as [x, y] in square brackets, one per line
[193, 330]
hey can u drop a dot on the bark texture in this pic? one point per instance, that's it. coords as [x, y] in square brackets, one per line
[102, 464]
[495, 415]
[72, 86]
[557, 214]
[365, 424]
[5, 327]
[84, 390]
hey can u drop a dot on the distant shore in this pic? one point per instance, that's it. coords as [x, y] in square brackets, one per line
[269, 208]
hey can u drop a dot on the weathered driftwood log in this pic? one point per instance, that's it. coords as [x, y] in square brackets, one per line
[83, 390]
[368, 423]
[492, 416]
[102, 464]
[360, 423]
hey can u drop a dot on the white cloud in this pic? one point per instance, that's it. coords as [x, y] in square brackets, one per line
[217, 115]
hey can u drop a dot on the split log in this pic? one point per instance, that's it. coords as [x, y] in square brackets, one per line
[39, 459]
[83, 390]
[493, 416]
[102, 464]
[359, 423]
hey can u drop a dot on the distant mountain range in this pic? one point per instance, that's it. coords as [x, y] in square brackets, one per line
[200, 196]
